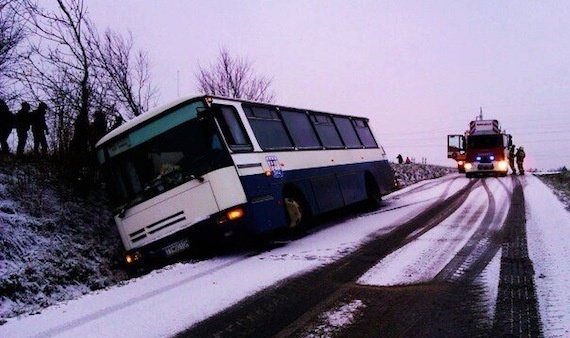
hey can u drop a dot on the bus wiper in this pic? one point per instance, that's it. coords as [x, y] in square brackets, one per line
[189, 176]
[173, 178]
[194, 177]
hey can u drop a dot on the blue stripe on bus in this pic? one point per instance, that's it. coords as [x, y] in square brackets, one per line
[324, 189]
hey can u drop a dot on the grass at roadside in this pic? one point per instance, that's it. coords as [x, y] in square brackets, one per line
[560, 184]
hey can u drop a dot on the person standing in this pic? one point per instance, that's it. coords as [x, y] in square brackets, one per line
[520, 155]
[98, 128]
[400, 159]
[6, 126]
[39, 128]
[512, 159]
[22, 126]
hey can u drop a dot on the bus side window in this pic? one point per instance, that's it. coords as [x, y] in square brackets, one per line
[364, 133]
[233, 129]
[267, 127]
[300, 128]
[347, 132]
[326, 131]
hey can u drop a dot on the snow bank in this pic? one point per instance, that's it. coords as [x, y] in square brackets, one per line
[408, 174]
[54, 245]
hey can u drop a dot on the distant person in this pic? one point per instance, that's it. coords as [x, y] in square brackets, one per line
[39, 128]
[408, 160]
[117, 121]
[512, 155]
[520, 155]
[22, 127]
[6, 126]
[400, 159]
[98, 127]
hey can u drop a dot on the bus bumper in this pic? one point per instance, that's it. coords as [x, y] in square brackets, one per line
[219, 228]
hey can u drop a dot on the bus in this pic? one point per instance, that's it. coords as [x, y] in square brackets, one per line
[208, 167]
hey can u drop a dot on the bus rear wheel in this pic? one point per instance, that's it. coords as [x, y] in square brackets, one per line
[374, 196]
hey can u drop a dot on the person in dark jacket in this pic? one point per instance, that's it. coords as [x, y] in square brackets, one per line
[512, 156]
[39, 128]
[520, 155]
[400, 158]
[6, 126]
[22, 126]
[98, 128]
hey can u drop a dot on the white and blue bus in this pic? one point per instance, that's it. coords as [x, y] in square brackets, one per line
[210, 167]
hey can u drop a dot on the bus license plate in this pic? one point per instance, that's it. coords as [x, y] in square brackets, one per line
[177, 247]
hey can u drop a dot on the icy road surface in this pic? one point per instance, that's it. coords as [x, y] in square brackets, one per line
[172, 299]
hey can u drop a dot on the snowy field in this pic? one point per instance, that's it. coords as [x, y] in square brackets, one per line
[171, 299]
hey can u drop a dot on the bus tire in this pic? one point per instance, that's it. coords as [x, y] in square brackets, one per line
[374, 196]
[297, 210]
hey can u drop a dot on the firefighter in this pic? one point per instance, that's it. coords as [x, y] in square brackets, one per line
[512, 159]
[520, 159]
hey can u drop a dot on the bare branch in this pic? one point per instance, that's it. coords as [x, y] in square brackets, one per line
[234, 77]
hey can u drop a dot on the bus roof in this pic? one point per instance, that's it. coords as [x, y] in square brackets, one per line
[157, 111]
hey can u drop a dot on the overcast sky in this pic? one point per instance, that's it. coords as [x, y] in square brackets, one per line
[418, 69]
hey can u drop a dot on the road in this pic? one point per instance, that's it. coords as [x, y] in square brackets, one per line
[448, 304]
[450, 257]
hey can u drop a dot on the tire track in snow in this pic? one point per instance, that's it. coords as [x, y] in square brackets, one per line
[438, 199]
[479, 250]
[517, 306]
[279, 308]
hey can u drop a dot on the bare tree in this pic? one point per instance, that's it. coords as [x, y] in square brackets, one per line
[79, 73]
[234, 77]
[127, 73]
[12, 34]
[60, 68]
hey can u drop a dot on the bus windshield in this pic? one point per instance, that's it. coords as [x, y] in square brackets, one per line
[146, 163]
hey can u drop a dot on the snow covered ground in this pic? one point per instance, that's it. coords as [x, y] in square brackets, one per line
[57, 245]
[171, 299]
[548, 230]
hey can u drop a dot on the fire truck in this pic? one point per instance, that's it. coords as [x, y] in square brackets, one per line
[483, 150]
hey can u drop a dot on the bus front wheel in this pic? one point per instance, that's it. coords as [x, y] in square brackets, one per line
[297, 210]
[294, 211]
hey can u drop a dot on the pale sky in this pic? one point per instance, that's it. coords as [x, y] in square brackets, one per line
[418, 69]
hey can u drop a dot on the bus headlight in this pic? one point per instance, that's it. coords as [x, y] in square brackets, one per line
[468, 166]
[230, 215]
[503, 165]
[132, 257]
[235, 214]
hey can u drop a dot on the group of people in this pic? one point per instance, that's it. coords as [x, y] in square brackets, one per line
[401, 159]
[518, 155]
[24, 120]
